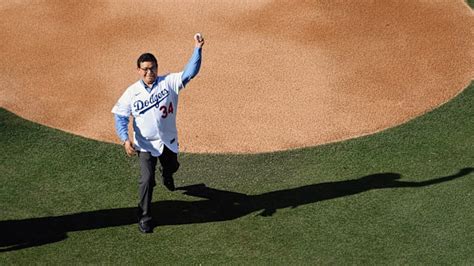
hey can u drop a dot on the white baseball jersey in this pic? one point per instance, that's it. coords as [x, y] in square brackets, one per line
[154, 113]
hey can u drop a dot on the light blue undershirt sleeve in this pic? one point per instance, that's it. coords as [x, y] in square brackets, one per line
[121, 126]
[193, 66]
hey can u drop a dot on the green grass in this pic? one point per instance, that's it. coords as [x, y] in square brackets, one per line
[402, 196]
[470, 3]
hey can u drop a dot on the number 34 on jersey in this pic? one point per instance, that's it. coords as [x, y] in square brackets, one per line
[166, 110]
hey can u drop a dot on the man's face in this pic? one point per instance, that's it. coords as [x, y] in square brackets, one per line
[147, 72]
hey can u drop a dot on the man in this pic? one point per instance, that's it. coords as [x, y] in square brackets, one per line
[153, 103]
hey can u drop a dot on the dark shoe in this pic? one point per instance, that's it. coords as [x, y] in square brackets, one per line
[168, 182]
[145, 226]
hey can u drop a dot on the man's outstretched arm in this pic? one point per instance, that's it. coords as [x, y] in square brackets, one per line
[194, 64]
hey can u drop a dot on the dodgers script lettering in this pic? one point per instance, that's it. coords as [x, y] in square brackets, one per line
[154, 100]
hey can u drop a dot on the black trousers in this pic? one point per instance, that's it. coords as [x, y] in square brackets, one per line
[169, 165]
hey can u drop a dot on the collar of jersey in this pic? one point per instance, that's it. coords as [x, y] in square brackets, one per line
[148, 89]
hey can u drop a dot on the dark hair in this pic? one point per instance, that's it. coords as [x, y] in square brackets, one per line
[147, 57]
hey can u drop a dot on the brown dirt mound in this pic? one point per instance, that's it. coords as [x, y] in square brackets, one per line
[276, 74]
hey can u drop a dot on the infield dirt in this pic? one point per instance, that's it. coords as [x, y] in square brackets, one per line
[275, 75]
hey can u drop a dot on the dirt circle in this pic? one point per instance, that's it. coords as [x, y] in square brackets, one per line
[275, 75]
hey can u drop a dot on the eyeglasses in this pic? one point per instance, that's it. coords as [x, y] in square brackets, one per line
[151, 69]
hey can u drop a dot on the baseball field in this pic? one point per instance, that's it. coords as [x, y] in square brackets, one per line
[339, 150]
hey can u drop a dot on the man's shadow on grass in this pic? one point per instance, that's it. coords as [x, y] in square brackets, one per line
[214, 205]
